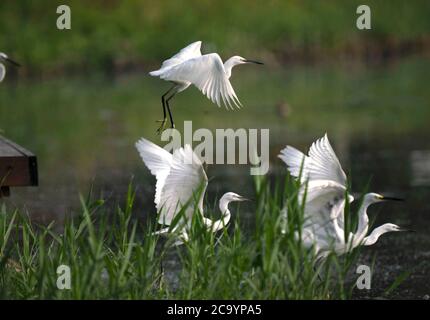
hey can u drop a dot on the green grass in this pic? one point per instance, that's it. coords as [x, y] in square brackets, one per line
[113, 255]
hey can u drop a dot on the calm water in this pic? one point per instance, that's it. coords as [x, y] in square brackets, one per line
[377, 117]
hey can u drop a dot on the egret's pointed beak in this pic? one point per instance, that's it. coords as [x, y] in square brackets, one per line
[253, 61]
[405, 230]
[16, 64]
[392, 199]
[244, 199]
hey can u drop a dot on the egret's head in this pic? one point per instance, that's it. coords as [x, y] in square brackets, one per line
[5, 58]
[375, 198]
[227, 198]
[391, 227]
[231, 196]
[243, 60]
[236, 60]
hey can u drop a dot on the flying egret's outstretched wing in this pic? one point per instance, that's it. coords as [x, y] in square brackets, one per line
[208, 75]
[2, 72]
[321, 164]
[185, 181]
[158, 162]
[189, 52]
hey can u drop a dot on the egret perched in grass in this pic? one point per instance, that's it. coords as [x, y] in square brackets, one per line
[207, 72]
[324, 187]
[4, 58]
[181, 182]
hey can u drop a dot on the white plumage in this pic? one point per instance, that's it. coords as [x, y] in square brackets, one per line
[321, 164]
[325, 184]
[207, 72]
[181, 181]
[189, 52]
[325, 189]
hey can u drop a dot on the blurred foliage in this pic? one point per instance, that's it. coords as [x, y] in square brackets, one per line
[82, 126]
[112, 34]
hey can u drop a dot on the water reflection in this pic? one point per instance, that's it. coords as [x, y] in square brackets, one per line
[420, 167]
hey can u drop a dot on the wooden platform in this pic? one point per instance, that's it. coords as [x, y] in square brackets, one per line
[18, 167]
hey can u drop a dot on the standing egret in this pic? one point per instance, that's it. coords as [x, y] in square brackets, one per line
[180, 179]
[324, 185]
[207, 72]
[4, 58]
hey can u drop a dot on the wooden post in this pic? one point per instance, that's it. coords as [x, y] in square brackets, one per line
[18, 167]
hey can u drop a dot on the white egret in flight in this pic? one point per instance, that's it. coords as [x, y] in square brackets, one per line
[4, 58]
[207, 72]
[180, 179]
[325, 184]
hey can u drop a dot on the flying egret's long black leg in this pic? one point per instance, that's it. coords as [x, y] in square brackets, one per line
[168, 109]
[163, 101]
[164, 107]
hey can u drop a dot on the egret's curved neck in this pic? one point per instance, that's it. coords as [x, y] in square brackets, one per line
[363, 222]
[376, 233]
[228, 65]
[225, 218]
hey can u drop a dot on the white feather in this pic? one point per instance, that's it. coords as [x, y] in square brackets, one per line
[185, 179]
[179, 177]
[207, 74]
[189, 52]
[325, 189]
[324, 208]
[321, 164]
[158, 162]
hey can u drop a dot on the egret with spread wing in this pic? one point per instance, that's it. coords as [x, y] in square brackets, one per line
[207, 72]
[324, 187]
[180, 178]
[5, 58]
